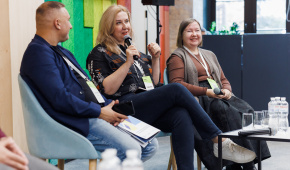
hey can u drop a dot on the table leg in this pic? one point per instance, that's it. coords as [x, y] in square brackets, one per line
[220, 152]
[259, 155]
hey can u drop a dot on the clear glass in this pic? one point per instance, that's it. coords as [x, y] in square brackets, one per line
[271, 16]
[228, 12]
[283, 124]
[247, 121]
[273, 123]
[266, 118]
[258, 119]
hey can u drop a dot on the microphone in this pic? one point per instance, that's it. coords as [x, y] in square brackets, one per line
[128, 41]
[218, 91]
[256, 132]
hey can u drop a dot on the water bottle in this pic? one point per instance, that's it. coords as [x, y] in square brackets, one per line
[271, 105]
[273, 115]
[283, 117]
[277, 106]
[132, 162]
[110, 160]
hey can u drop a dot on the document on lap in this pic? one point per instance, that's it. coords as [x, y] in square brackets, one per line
[140, 131]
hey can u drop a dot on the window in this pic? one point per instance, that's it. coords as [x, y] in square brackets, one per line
[271, 16]
[228, 12]
[261, 16]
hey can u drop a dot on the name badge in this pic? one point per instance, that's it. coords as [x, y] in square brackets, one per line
[96, 92]
[212, 83]
[148, 82]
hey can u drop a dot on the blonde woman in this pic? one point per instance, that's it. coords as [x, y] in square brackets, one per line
[170, 108]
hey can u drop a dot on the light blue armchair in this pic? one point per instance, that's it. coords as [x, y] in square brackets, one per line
[48, 139]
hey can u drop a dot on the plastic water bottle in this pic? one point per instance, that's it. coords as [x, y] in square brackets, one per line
[110, 160]
[132, 162]
[271, 105]
[273, 108]
[283, 117]
[277, 106]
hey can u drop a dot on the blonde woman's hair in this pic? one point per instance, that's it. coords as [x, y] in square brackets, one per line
[182, 26]
[107, 27]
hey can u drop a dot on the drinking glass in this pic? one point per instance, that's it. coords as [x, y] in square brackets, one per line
[266, 118]
[273, 123]
[258, 119]
[247, 121]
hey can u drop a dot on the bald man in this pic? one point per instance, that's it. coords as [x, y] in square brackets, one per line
[61, 86]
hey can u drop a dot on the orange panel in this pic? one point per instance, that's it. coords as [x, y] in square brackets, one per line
[164, 37]
[126, 3]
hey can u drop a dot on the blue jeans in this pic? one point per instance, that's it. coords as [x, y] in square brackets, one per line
[103, 135]
[172, 108]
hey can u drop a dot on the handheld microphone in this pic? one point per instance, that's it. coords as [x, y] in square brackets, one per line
[218, 91]
[128, 41]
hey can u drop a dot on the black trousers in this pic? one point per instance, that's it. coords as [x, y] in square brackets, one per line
[172, 108]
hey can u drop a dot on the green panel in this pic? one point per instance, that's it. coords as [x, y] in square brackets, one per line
[78, 30]
[51, 0]
[88, 45]
[89, 13]
[69, 44]
[83, 36]
[114, 1]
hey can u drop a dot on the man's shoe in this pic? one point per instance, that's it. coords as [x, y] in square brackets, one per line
[234, 152]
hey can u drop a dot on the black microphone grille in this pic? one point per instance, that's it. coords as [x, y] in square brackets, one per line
[216, 91]
[126, 37]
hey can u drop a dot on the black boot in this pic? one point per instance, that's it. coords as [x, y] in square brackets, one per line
[234, 167]
[249, 166]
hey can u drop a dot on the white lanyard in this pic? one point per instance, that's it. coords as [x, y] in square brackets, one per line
[146, 79]
[136, 63]
[91, 85]
[204, 65]
[74, 68]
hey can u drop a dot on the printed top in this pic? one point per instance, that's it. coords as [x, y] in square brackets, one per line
[101, 63]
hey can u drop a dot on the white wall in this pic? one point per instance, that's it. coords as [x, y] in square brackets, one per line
[139, 24]
[17, 29]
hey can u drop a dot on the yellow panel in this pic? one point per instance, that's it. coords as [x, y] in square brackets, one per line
[98, 11]
[89, 13]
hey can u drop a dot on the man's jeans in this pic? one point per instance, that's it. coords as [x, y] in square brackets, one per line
[103, 135]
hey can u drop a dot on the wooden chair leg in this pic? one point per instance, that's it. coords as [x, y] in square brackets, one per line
[174, 165]
[172, 161]
[198, 162]
[60, 164]
[92, 164]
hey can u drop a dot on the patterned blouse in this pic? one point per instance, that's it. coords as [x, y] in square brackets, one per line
[101, 63]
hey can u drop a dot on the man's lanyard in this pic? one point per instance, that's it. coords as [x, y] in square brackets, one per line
[70, 64]
[136, 63]
[204, 65]
[95, 91]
